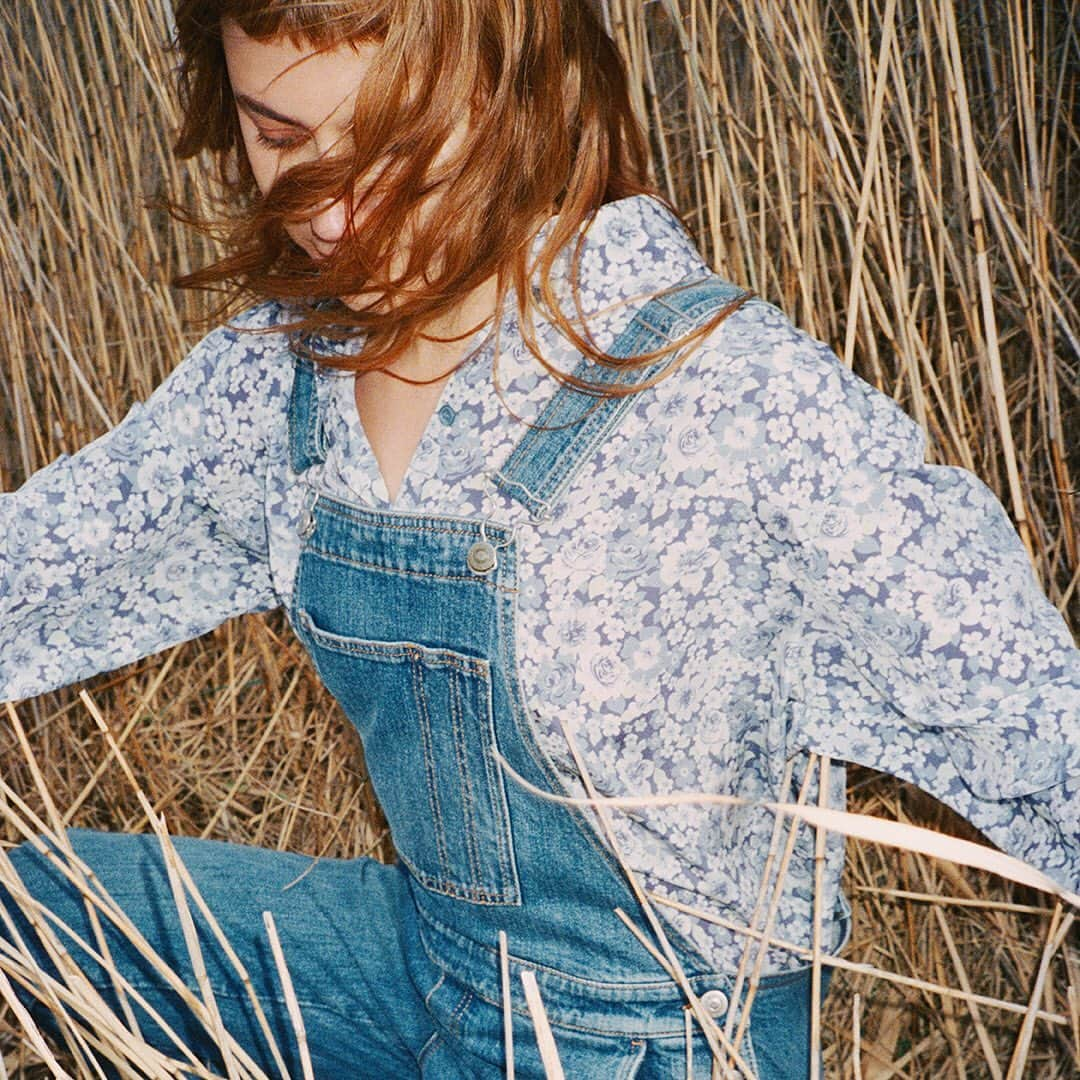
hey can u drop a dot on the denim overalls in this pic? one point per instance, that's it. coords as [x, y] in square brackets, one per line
[410, 620]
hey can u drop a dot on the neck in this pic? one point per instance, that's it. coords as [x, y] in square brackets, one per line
[427, 359]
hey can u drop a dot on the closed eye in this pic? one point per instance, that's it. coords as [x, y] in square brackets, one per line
[282, 142]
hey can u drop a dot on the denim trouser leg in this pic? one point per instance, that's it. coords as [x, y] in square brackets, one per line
[345, 926]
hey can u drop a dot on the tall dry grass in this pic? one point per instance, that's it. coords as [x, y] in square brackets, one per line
[901, 177]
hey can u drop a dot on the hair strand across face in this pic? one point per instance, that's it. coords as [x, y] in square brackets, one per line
[532, 97]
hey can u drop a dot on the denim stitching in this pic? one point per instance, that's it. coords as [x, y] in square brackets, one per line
[433, 1040]
[584, 448]
[505, 835]
[395, 651]
[484, 897]
[472, 579]
[749, 1053]
[639, 335]
[630, 991]
[457, 1016]
[585, 1029]
[431, 993]
[392, 520]
[630, 1065]
[505, 891]
[467, 800]
[429, 766]
[502, 892]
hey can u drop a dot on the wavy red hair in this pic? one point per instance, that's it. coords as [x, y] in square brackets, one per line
[552, 132]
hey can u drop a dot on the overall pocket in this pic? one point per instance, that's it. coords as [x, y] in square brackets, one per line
[425, 717]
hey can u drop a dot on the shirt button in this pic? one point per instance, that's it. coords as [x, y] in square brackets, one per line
[715, 1002]
[447, 415]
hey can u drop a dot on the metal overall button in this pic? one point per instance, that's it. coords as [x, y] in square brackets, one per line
[482, 558]
[715, 1002]
[306, 525]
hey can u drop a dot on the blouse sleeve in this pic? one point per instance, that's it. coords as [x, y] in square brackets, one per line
[148, 536]
[929, 650]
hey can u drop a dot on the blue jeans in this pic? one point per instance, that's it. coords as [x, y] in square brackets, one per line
[410, 622]
[374, 1003]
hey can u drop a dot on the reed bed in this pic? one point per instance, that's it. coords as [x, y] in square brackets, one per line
[901, 177]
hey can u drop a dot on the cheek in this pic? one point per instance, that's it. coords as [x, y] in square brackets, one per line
[265, 162]
[264, 166]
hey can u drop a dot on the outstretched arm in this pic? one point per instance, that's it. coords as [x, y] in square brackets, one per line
[152, 534]
[929, 650]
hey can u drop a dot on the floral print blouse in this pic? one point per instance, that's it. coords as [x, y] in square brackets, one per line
[755, 566]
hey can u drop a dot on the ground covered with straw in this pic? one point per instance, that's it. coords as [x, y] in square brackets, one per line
[900, 176]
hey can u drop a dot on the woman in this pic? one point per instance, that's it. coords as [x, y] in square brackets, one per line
[550, 507]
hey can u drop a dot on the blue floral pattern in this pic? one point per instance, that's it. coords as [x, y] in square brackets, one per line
[756, 565]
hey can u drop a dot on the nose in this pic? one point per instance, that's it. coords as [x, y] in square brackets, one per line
[327, 226]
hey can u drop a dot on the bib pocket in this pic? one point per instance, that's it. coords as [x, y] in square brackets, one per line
[426, 720]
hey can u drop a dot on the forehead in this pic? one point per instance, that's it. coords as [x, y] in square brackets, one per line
[307, 82]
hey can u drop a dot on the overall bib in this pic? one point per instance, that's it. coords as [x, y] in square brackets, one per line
[410, 621]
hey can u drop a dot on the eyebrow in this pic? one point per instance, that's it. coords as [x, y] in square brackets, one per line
[259, 109]
[252, 105]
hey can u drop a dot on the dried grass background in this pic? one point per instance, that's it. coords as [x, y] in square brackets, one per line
[901, 177]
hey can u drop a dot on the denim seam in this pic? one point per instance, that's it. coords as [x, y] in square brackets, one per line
[506, 852]
[540, 488]
[468, 799]
[460, 1009]
[486, 897]
[403, 651]
[433, 1040]
[345, 560]
[311, 427]
[631, 1064]
[584, 1029]
[144, 988]
[504, 890]
[751, 1054]
[431, 993]
[328, 504]
[430, 767]
[582, 447]
[620, 990]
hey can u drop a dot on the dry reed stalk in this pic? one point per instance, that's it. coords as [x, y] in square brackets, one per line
[124, 1042]
[292, 1004]
[898, 175]
[507, 1007]
[775, 889]
[545, 1039]
[660, 948]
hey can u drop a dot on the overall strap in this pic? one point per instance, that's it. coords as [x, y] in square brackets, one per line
[574, 423]
[307, 438]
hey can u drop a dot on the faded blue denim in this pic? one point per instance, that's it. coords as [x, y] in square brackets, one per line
[396, 967]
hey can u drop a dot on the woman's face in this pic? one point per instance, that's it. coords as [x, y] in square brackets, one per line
[295, 105]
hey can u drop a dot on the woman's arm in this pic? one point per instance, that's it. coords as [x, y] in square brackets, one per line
[152, 534]
[928, 648]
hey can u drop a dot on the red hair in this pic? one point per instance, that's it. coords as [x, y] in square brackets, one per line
[552, 132]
